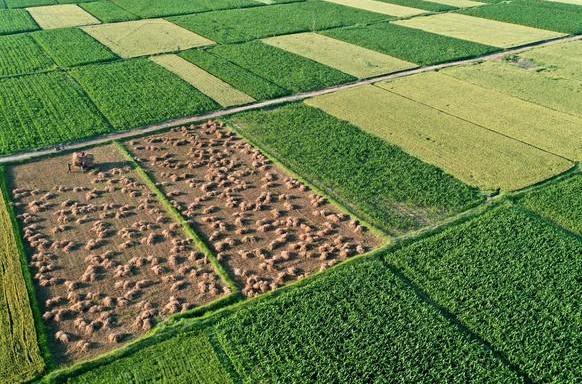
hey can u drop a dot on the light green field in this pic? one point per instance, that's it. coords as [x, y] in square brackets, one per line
[459, 3]
[563, 95]
[348, 58]
[61, 16]
[476, 29]
[575, 2]
[473, 154]
[561, 60]
[544, 128]
[221, 92]
[380, 7]
[145, 37]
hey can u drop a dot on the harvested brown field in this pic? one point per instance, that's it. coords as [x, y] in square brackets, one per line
[107, 261]
[267, 228]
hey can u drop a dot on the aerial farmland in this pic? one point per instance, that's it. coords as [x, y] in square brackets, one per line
[290, 191]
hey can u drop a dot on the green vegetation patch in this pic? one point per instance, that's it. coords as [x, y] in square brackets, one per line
[421, 4]
[240, 78]
[71, 47]
[514, 280]
[133, 93]
[157, 8]
[283, 68]
[409, 44]
[20, 357]
[108, 12]
[249, 24]
[28, 3]
[560, 203]
[396, 190]
[45, 109]
[16, 21]
[566, 18]
[20, 54]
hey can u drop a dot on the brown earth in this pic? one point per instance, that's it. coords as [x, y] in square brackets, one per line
[107, 261]
[266, 227]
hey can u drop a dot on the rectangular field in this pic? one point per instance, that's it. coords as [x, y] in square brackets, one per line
[70, 47]
[381, 7]
[476, 29]
[394, 190]
[211, 86]
[16, 21]
[108, 12]
[471, 153]
[107, 260]
[45, 109]
[240, 25]
[348, 58]
[157, 8]
[412, 45]
[563, 61]
[20, 357]
[61, 16]
[264, 226]
[285, 69]
[513, 279]
[28, 3]
[250, 83]
[145, 37]
[137, 92]
[543, 128]
[21, 55]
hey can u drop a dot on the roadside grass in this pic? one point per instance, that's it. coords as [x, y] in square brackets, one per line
[22, 55]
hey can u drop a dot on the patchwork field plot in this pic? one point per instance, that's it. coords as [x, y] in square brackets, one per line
[285, 69]
[563, 95]
[28, 3]
[559, 61]
[560, 203]
[432, 6]
[21, 55]
[348, 58]
[240, 25]
[107, 261]
[459, 3]
[380, 7]
[45, 109]
[20, 359]
[155, 8]
[61, 16]
[412, 45]
[137, 92]
[70, 47]
[483, 31]
[263, 225]
[248, 82]
[15, 21]
[107, 11]
[541, 127]
[396, 191]
[469, 152]
[216, 89]
[145, 37]
[513, 280]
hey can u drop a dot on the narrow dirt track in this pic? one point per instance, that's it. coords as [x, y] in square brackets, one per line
[269, 103]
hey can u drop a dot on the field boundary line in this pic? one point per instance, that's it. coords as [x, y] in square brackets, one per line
[271, 103]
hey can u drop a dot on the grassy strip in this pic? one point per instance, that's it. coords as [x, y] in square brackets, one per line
[409, 44]
[394, 190]
[21, 55]
[248, 82]
[156, 8]
[24, 359]
[198, 242]
[16, 21]
[71, 47]
[108, 12]
[285, 69]
[134, 93]
[512, 279]
[542, 14]
[254, 23]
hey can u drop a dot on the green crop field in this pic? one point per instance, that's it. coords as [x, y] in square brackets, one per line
[20, 359]
[28, 3]
[16, 21]
[21, 55]
[513, 279]
[561, 61]
[410, 44]
[45, 109]
[254, 23]
[156, 8]
[133, 93]
[71, 47]
[422, 4]
[285, 69]
[397, 191]
[107, 11]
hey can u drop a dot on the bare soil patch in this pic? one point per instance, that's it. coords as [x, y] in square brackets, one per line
[107, 261]
[266, 227]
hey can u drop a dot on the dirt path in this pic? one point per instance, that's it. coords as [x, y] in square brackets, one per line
[269, 103]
